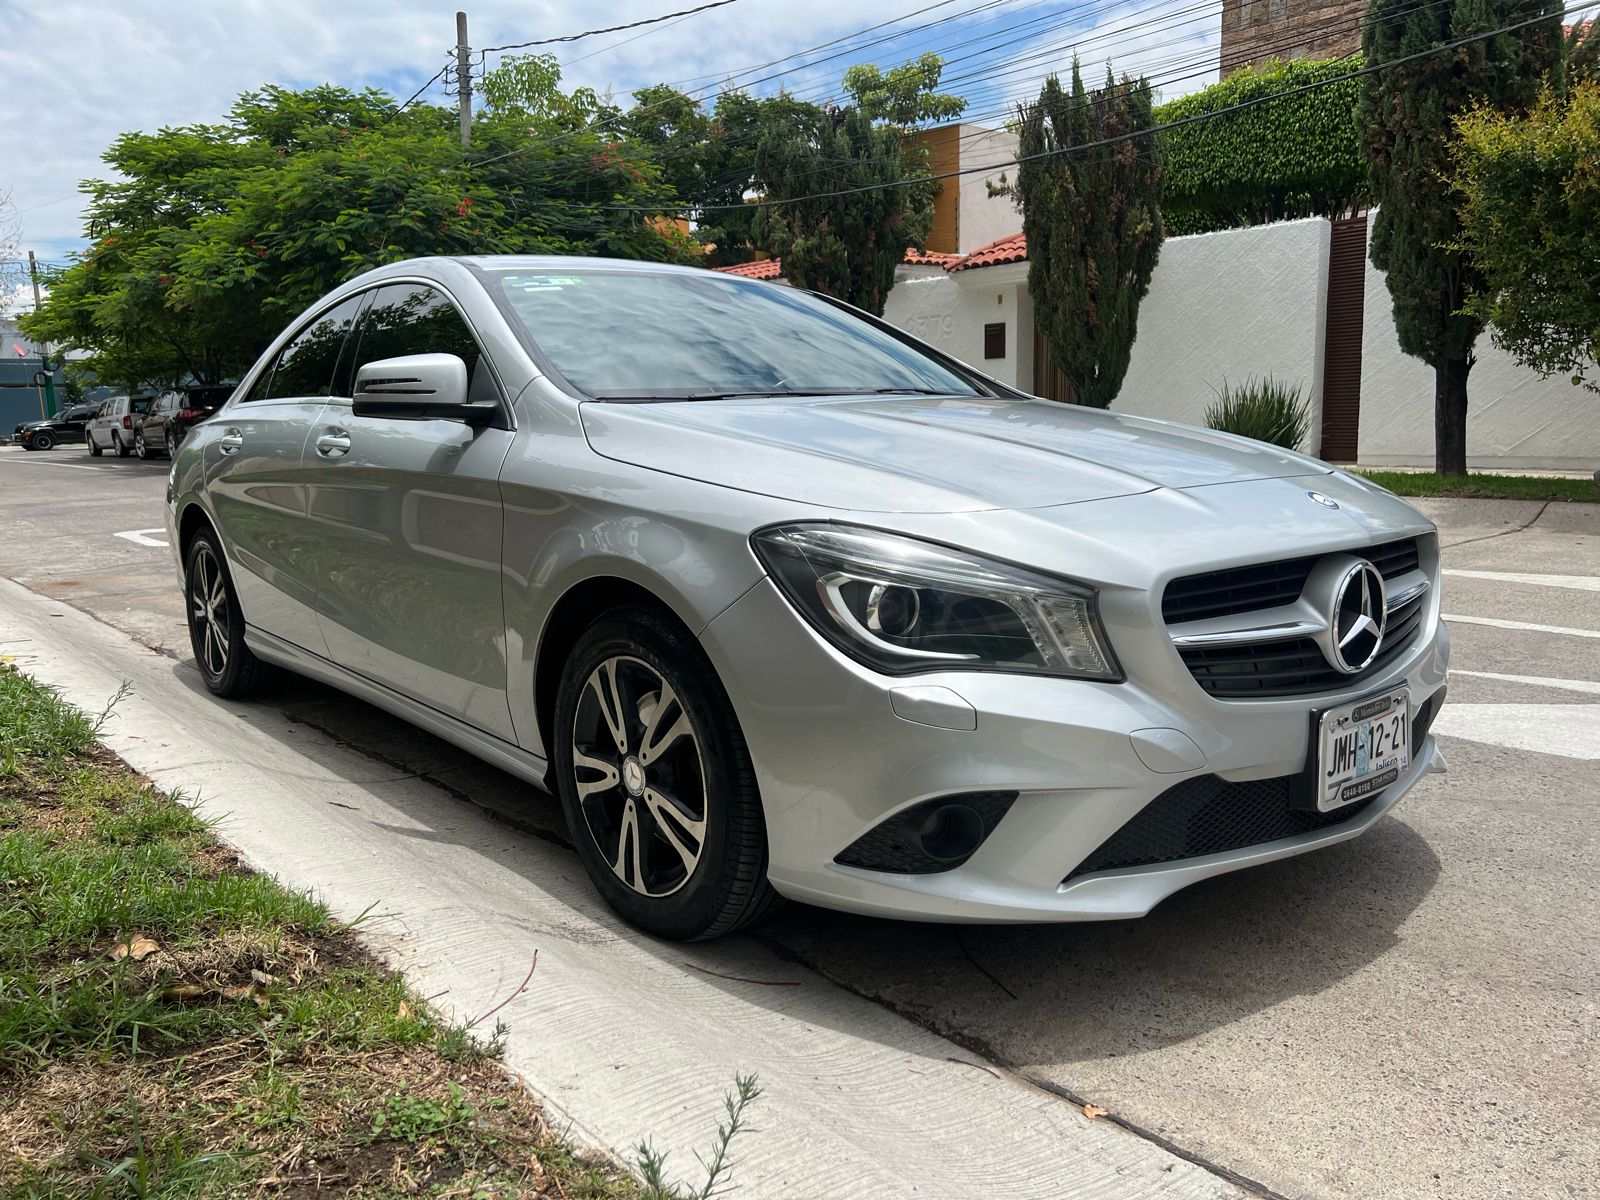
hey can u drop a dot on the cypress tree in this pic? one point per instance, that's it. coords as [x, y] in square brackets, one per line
[1092, 219]
[1407, 116]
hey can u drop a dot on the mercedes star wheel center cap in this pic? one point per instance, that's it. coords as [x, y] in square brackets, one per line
[632, 776]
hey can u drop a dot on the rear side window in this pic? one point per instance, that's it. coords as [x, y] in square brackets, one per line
[141, 405]
[306, 366]
[411, 318]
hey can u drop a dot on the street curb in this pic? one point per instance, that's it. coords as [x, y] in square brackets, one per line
[623, 1037]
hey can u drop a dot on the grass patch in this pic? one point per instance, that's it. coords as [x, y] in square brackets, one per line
[1485, 487]
[173, 1025]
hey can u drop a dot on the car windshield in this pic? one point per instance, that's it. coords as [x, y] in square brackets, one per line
[663, 335]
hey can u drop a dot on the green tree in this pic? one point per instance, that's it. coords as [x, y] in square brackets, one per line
[1407, 114]
[1530, 218]
[1091, 212]
[215, 235]
[834, 237]
[906, 95]
[709, 158]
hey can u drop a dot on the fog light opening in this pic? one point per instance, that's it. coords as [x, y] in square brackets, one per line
[950, 832]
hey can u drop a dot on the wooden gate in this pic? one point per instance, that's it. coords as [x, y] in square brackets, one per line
[1341, 360]
[1049, 380]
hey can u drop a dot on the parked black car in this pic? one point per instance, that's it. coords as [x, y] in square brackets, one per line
[161, 429]
[65, 427]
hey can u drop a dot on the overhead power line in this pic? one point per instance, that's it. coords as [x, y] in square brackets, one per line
[1371, 69]
[588, 33]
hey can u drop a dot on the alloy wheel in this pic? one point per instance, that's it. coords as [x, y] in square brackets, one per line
[211, 614]
[640, 776]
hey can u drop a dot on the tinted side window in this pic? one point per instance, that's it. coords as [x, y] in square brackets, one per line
[413, 319]
[306, 366]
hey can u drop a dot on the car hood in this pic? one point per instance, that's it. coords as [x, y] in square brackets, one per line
[926, 454]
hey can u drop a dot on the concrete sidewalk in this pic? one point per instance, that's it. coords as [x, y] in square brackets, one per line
[625, 1037]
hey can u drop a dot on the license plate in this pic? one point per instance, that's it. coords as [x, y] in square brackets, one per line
[1362, 749]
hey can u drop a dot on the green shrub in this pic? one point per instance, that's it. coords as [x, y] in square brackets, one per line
[1298, 156]
[1263, 409]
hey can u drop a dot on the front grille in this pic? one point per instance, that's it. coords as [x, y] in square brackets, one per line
[1266, 669]
[1208, 815]
[1267, 585]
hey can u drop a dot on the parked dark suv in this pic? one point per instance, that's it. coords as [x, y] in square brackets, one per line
[66, 426]
[161, 430]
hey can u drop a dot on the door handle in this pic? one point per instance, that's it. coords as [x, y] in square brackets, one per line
[333, 443]
[230, 441]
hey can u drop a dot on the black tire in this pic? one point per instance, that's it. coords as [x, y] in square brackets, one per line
[216, 625]
[121, 447]
[138, 444]
[43, 440]
[94, 446]
[726, 887]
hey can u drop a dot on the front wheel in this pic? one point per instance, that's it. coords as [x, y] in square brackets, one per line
[43, 440]
[656, 780]
[216, 626]
[138, 444]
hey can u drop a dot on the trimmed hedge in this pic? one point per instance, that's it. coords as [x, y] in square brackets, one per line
[1281, 159]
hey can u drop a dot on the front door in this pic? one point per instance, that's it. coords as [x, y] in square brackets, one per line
[407, 520]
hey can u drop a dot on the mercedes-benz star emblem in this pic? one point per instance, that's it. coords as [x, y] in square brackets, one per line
[1323, 500]
[1358, 618]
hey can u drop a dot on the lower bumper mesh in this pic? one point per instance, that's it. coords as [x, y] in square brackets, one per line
[1208, 815]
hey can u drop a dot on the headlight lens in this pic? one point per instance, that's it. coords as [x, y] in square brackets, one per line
[901, 605]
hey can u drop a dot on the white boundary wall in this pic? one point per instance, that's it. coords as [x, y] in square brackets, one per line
[1252, 301]
[1515, 420]
[1226, 306]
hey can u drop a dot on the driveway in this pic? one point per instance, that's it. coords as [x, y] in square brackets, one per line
[1411, 1014]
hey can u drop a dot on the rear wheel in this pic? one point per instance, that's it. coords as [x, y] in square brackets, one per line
[656, 780]
[216, 626]
[94, 446]
[118, 444]
[43, 440]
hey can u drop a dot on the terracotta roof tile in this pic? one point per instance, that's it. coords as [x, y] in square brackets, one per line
[772, 268]
[769, 268]
[1005, 250]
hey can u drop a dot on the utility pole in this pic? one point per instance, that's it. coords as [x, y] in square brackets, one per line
[464, 78]
[44, 347]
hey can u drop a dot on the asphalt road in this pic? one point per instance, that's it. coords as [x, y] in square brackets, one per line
[1412, 1014]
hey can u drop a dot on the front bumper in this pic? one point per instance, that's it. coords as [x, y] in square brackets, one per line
[834, 758]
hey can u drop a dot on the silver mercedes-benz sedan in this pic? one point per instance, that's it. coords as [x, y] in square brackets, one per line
[782, 602]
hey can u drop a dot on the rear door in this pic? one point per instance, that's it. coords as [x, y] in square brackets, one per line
[256, 479]
[407, 521]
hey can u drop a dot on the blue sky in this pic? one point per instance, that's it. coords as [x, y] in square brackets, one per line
[78, 72]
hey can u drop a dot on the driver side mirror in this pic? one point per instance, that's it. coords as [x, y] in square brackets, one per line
[418, 387]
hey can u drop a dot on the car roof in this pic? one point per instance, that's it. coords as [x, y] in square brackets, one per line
[479, 263]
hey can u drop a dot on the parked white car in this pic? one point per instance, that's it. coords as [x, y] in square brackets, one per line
[112, 427]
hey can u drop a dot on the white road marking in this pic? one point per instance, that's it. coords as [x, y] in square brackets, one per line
[1570, 685]
[1569, 730]
[41, 462]
[1528, 625]
[1587, 583]
[141, 537]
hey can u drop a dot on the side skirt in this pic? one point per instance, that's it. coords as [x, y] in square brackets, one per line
[531, 768]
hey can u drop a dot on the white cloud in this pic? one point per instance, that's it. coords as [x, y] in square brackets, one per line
[85, 70]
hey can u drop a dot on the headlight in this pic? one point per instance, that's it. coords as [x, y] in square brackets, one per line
[901, 605]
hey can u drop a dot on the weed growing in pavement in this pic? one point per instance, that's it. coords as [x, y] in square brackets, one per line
[652, 1163]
